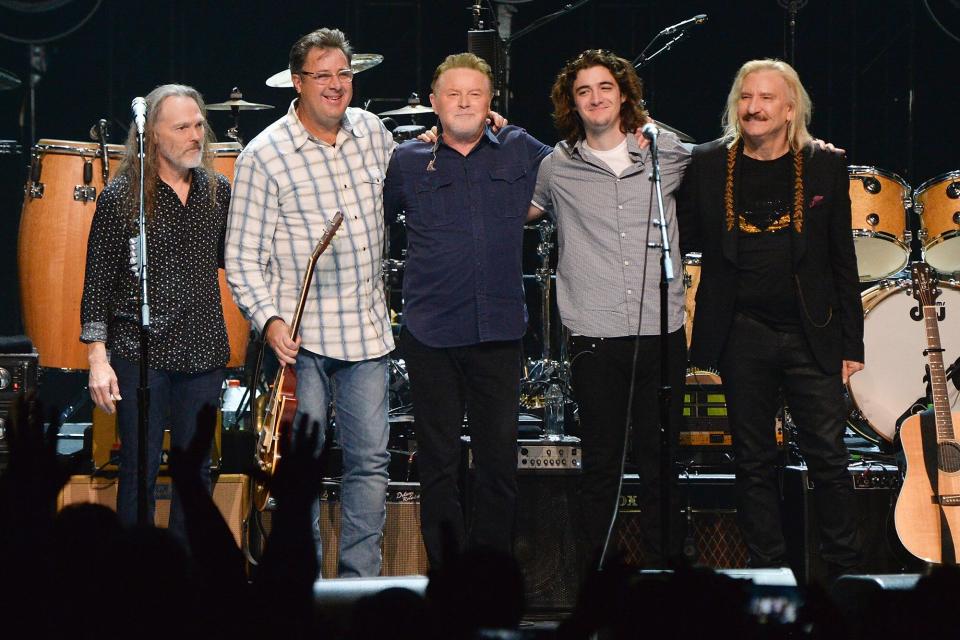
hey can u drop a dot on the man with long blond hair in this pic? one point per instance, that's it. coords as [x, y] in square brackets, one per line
[778, 305]
[597, 186]
[186, 210]
[465, 198]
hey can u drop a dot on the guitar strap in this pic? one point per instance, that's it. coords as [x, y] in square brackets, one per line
[928, 436]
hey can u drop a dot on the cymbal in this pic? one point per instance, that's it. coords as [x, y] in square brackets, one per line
[684, 137]
[8, 80]
[409, 110]
[359, 62]
[239, 104]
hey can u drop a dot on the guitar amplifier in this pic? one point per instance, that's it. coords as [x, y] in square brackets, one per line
[18, 374]
[540, 455]
[876, 487]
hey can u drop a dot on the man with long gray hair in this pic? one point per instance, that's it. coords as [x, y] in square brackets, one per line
[186, 211]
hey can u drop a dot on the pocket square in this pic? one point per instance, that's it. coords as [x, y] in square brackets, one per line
[815, 201]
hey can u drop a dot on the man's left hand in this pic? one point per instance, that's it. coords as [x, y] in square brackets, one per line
[496, 121]
[850, 367]
[823, 145]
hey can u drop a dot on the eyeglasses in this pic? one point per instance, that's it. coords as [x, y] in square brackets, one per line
[323, 78]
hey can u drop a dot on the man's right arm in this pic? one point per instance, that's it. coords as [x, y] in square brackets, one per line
[107, 261]
[542, 200]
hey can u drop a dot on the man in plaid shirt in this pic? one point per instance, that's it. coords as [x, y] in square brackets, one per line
[319, 159]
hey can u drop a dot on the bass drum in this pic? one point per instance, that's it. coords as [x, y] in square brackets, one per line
[892, 380]
[60, 199]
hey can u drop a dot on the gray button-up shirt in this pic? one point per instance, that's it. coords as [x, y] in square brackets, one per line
[604, 223]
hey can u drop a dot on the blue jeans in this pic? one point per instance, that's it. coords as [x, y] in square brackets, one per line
[175, 401]
[358, 391]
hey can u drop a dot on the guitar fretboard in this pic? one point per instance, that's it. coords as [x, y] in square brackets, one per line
[938, 378]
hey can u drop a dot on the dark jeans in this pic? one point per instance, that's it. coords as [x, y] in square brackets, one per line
[601, 370]
[484, 380]
[175, 402]
[757, 363]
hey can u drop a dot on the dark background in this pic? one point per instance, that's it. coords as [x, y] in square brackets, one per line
[863, 62]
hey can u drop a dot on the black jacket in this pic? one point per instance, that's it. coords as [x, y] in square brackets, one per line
[824, 261]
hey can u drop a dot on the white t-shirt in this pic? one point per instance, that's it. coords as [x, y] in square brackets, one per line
[617, 158]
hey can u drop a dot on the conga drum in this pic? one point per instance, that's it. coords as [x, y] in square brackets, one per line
[59, 200]
[238, 328]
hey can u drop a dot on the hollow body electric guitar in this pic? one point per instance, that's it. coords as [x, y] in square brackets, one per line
[927, 515]
[278, 411]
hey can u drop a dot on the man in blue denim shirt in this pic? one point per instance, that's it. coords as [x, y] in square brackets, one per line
[465, 199]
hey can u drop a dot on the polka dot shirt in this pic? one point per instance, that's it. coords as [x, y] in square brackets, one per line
[185, 248]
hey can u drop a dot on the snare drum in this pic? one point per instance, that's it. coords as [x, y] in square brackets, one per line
[937, 201]
[878, 203]
[895, 365]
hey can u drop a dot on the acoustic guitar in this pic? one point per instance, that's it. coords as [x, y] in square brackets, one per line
[275, 419]
[927, 514]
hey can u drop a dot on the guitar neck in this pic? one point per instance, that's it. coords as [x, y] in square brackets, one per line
[938, 378]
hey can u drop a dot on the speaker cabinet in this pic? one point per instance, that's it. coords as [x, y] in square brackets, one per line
[402, 545]
[230, 493]
[546, 539]
[106, 442]
[876, 487]
[712, 538]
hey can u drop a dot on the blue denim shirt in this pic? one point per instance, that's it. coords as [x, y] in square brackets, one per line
[463, 282]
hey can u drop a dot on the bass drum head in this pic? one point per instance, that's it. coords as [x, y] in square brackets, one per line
[892, 379]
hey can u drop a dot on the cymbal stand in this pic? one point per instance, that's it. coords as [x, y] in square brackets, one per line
[234, 132]
[539, 374]
[399, 382]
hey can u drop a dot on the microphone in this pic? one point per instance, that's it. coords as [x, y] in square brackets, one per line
[686, 24]
[650, 132]
[139, 106]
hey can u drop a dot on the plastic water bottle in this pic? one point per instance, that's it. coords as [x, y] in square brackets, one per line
[230, 402]
[553, 412]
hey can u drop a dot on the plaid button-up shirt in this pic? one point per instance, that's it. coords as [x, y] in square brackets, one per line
[287, 187]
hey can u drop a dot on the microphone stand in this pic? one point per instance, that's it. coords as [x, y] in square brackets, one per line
[643, 59]
[143, 391]
[665, 392]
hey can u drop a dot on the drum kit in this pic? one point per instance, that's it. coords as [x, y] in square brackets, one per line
[894, 381]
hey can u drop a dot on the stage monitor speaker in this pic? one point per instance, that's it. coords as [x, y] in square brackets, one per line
[402, 545]
[876, 487]
[230, 493]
